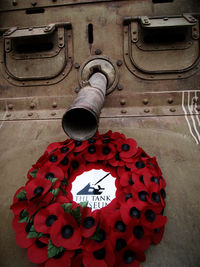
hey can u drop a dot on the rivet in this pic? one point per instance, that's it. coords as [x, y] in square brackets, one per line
[98, 51]
[120, 87]
[123, 111]
[63, 74]
[60, 37]
[30, 114]
[195, 35]
[179, 76]
[145, 101]
[134, 32]
[30, 29]
[53, 113]
[165, 19]
[135, 39]
[122, 102]
[8, 115]
[77, 89]
[126, 53]
[76, 66]
[32, 105]
[198, 108]
[170, 100]
[172, 109]
[10, 106]
[14, 2]
[54, 105]
[33, 3]
[119, 63]
[146, 110]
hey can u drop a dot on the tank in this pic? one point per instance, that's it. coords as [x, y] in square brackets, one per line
[148, 53]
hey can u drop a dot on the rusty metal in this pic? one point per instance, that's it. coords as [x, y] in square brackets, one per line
[80, 122]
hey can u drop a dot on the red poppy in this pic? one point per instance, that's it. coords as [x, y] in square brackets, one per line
[125, 175]
[151, 217]
[107, 152]
[101, 257]
[139, 235]
[80, 146]
[92, 153]
[22, 230]
[50, 172]
[19, 204]
[127, 148]
[47, 216]
[36, 204]
[131, 210]
[37, 188]
[37, 252]
[63, 259]
[116, 160]
[66, 233]
[89, 222]
[157, 235]
[129, 256]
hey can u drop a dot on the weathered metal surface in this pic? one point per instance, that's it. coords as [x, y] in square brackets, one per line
[159, 110]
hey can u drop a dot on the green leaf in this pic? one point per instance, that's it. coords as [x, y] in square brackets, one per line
[76, 213]
[63, 191]
[64, 182]
[24, 217]
[96, 235]
[55, 191]
[67, 207]
[83, 204]
[53, 180]
[53, 250]
[21, 195]
[33, 233]
[33, 173]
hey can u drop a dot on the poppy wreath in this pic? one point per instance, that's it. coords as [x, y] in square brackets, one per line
[57, 231]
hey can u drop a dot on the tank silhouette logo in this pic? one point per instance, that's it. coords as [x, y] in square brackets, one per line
[95, 186]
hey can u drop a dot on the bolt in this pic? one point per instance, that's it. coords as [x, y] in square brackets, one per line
[14, 2]
[54, 105]
[30, 29]
[33, 3]
[119, 62]
[76, 66]
[30, 114]
[77, 89]
[120, 87]
[53, 113]
[195, 35]
[170, 100]
[198, 108]
[146, 110]
[123, 111]
[47, 28]
[122, 102]
[172, 109]
[134, 32]
[8, 115]
[135, 39]
[32, 105]
[145, 101]
[60, 37]
[98, 51]
[165, 19]
[63, 74]
[10, 106]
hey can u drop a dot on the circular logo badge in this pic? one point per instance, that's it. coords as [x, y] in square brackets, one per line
[97, 187]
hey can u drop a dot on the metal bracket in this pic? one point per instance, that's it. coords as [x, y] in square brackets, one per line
[164, 22]
[10, 31]
[134, 32]
[7, 45]
[145, 20]
[61, 37]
